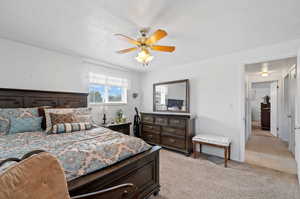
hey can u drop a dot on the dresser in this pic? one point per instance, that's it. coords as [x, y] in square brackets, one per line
[265, 112]
[172, 131]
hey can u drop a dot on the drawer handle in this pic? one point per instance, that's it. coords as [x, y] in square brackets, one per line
[176, 121]
[150, 136]
[172, 140]
[171, 130]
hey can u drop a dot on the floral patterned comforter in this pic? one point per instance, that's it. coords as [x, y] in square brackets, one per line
[79, 153]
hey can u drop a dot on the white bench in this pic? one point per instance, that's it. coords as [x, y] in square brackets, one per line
[213, 140]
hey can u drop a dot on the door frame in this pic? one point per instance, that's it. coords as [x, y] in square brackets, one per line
[248, 117]
[243, 80]
[297, 116]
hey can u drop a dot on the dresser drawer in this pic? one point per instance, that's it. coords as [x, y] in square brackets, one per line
[174, 122]
[173, 142]
[161, 120]
[173, 131]
[151, 137]
[148, 119]
[151, 128]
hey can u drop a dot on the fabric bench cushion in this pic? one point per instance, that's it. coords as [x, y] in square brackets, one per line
[212, 139]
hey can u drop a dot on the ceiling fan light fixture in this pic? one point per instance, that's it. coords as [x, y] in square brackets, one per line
[144, 57]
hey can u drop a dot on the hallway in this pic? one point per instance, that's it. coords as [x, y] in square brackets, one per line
[263, 149]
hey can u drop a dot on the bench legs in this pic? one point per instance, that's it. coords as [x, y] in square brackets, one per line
[227, 151]
[225, 156]
[194, 150]
[195, 153]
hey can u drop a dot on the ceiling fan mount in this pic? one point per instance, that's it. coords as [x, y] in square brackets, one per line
[144, 31]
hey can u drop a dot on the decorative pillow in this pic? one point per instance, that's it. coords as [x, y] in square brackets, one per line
[20, 125]
[84, 118]
[70, 127]
[62, 118]
[75, 111]
[41, 111]
[7, 113]
[82, 111]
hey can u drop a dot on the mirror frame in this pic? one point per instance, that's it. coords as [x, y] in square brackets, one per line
[187, 96]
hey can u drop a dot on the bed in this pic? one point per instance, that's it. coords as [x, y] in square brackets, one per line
[94, 159]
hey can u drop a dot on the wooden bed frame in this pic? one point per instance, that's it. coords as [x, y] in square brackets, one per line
[141, 170]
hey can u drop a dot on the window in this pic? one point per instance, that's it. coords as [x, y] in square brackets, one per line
[115, 94]
[96, 93]
[105, 89]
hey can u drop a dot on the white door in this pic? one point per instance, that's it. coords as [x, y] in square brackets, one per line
[292, 101]
[274, 95]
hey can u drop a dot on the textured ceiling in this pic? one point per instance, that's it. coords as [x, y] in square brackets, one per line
[200, 29]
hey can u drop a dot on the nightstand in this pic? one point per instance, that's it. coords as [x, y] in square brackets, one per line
[120, 127]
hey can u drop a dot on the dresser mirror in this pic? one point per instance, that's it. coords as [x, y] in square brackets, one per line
[171, 96]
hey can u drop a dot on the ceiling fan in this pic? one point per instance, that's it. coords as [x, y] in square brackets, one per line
[145, 44]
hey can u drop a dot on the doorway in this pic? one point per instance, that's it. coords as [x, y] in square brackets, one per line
[270, 114]
[264, 108]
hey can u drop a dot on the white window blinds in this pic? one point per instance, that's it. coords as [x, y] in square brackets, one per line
[107, 80]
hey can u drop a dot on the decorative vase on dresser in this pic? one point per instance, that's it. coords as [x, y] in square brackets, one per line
[172, 131]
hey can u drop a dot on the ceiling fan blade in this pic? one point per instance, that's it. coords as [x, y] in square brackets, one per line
[157, 35]
[127, 50]
[130, 40]
[163, 48]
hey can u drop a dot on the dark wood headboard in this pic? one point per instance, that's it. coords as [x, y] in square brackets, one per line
[16, 98]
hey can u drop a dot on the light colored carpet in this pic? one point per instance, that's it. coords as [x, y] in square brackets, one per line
[257, 131]
[269, 152]
[183, 177]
